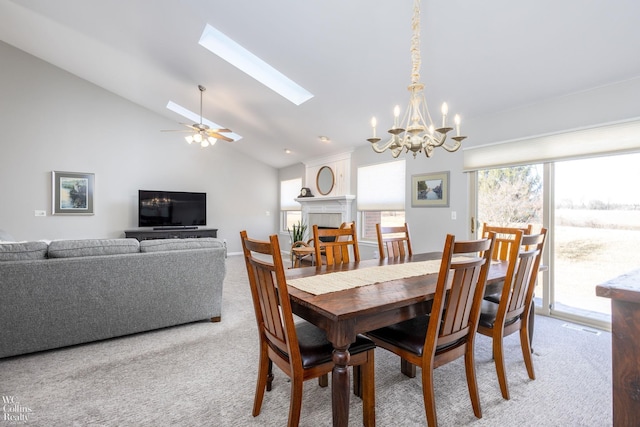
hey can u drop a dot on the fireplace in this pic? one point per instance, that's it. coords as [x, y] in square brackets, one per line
[326, 211]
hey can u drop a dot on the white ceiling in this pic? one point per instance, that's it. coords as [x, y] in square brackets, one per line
[353, 55]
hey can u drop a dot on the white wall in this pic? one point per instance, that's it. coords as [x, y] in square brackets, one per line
[429, 225]
[52, 120]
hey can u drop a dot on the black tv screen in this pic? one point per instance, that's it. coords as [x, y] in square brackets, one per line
[171, 209]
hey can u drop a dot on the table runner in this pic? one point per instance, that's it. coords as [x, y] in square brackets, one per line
[342, 280]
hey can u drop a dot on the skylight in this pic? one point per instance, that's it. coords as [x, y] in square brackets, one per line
[227, 49]
[195, 118]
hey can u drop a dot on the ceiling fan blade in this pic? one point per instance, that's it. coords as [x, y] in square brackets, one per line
[221, 130]
[190, 126]
[216, 135]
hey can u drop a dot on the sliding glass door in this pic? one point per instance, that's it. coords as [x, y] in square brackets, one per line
[591, 208]
[597, 230]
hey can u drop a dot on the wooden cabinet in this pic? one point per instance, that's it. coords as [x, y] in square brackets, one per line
[624, 292]
[182, 233]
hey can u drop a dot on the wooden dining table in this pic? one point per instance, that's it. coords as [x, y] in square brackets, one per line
[346, 313]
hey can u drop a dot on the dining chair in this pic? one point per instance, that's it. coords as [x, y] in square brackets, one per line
[511, 312]
[448, 332]
[332, 244]
[504, 242]
[300, 349]
[504, 239]
[394, 241]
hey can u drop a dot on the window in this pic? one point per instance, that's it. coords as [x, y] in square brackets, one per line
[381, 196]
[290, 209]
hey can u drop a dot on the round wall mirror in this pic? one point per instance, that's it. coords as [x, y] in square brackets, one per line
[324, 180]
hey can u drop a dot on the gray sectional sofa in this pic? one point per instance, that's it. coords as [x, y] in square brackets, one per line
[70, 292]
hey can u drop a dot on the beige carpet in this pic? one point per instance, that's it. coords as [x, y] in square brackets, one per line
[203, 374]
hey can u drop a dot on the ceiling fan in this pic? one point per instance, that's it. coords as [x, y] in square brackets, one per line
[202, 133]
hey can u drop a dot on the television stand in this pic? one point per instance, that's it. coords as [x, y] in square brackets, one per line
[181, 227]
[172, 233]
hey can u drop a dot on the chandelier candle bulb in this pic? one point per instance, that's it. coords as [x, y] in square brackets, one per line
[373, 125]
[396, 114]
[456, 119]
[445, 111]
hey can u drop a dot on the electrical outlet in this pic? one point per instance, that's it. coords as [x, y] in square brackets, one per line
[40, 213]
[453, 215]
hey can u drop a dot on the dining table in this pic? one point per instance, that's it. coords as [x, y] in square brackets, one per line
[343, 310]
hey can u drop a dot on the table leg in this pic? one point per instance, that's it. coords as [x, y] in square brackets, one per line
[340, 389]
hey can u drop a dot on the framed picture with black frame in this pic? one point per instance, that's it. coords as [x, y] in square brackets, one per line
[430, 190]
[72, 193]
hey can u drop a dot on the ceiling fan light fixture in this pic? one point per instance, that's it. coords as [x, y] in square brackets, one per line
[201, 132]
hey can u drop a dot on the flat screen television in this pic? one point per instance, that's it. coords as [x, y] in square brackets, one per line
[176, 209]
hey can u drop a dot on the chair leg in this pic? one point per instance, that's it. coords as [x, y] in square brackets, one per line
[429, 396]
[531, 321]
[472, 382]
[498, 357]
[264, 370]
[526, 351]
[323, 380]
[368, 390]
[407, 368]
[295, 405]
[270, 375]
[357, 380]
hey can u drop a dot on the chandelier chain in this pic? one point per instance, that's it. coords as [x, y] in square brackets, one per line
[415, 43]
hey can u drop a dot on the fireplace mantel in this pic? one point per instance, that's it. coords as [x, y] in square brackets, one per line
[326, 205]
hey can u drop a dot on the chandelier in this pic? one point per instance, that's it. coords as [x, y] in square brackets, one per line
[417, 136]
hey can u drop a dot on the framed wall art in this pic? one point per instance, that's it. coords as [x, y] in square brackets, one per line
[430, 190]
[72, 193]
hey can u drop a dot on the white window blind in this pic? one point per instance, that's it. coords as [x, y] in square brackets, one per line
[607, 139]
[382, 187]
[289, 190]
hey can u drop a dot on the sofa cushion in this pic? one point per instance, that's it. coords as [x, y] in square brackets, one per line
[23, 251]
[92, 247]
[158, 245]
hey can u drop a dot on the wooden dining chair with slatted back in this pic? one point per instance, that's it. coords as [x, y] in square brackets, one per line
[511, 313]
[394, 241]
[300, 349]
[447, 333]
[336, 245]
[504, 239]
[504, 242]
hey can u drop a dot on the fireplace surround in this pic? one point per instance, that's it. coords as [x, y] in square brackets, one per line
[330, 211]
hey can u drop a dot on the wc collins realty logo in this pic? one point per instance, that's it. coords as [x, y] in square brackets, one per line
[13, 411]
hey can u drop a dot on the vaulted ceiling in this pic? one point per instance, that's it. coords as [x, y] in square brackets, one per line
[481, 57]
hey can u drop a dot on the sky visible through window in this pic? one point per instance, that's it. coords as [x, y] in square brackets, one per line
[611, 179]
